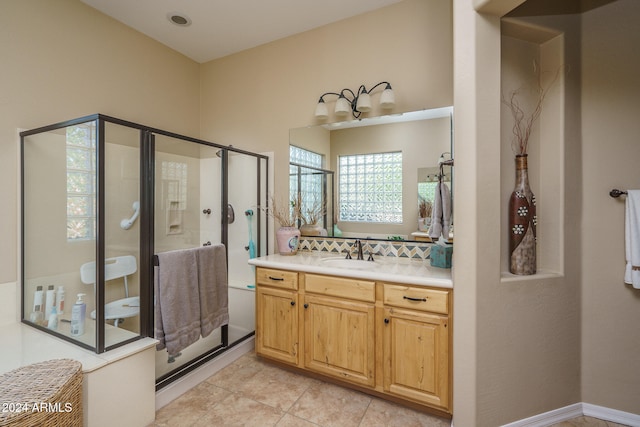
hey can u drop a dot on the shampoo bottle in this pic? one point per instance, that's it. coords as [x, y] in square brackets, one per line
[60, 301]
[49, 302]
[37, 315]
[78, 313]
[37, 299]
[53, 319]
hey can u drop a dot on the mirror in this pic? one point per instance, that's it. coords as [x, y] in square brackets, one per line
[383, 168]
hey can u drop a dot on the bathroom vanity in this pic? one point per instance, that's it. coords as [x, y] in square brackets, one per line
[382, 327]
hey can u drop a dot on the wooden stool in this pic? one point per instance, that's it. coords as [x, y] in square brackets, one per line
[44, 394]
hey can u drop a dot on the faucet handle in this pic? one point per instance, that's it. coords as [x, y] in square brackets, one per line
[370, 257]
[348, 255]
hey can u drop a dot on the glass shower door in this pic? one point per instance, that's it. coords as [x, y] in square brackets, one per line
[187, 215]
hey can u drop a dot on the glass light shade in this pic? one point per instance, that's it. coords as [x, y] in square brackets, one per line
[364, 102]
[343, 107]
[321, 110]
[387, 99]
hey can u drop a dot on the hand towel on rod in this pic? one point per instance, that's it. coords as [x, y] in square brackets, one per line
[632, 238]
[177, 295]
[441, 213]
[214, 291]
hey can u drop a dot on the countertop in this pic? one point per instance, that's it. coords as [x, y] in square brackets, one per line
[392, 269]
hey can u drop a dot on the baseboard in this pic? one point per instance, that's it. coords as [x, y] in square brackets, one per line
[613, 415]
[578, 410]
[549, 418]
[192, 379]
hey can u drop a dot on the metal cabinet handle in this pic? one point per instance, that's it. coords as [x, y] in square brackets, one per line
[207, 211]
[386, 321]
[306, 306]
[276, 278]
[293, 303]
[415, 299]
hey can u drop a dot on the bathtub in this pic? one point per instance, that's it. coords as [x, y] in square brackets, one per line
[241, 309]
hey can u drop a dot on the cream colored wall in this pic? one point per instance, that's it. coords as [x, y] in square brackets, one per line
[62, 60]
[610, 155]
[252, 99]
[519, 345]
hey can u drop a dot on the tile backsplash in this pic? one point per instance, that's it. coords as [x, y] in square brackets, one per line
[416, 250]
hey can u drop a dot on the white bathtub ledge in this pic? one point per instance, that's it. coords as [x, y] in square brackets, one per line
[29, 345]
[119, 385]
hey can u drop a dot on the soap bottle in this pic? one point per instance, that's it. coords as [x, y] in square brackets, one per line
[60, 301]
[49, 302]
[37, 315]
[78, 313]
[53, 319]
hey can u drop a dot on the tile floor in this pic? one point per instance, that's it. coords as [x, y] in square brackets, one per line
[250, 392]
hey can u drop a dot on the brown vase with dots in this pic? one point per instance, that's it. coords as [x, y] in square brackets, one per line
[522, 223]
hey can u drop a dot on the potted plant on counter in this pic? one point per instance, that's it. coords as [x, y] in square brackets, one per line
[311, 217]
[287, 215]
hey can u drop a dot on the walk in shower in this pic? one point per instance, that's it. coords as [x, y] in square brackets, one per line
[100, 197]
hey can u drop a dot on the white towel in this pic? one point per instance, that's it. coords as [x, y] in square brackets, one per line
[435, 229]
[441, 213]
[446, 210]
[632, 238]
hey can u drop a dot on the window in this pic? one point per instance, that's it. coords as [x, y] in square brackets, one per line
[174, 175]
[427, 190]
[370, 187]
[81, 181]
[311, 180]
[305, 157]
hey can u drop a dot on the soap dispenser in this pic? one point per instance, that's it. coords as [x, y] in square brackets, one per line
[78, 315]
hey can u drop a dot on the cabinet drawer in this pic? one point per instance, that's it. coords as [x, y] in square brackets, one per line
[362, 290]
[416, 298]
[278, 278]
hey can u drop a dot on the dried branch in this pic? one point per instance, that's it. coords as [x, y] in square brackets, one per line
[522, 125]
[287, 214]
[313, 213]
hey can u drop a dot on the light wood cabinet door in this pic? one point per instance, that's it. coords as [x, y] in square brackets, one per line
[340, 338]
[416, 356]
[277, 324]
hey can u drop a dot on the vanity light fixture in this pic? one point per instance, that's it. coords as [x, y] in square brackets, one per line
[355, 102]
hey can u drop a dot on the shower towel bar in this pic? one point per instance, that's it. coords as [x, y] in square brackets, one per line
[617, 193]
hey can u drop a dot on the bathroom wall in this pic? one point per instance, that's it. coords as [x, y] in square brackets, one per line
[610, 155]
[276, 86]
[531, 346]
[62, 60]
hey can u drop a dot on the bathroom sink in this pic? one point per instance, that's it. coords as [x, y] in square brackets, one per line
[348, 263]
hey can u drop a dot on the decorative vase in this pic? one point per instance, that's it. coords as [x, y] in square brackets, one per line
[288, 239]
[311, 230]
[522, 223]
